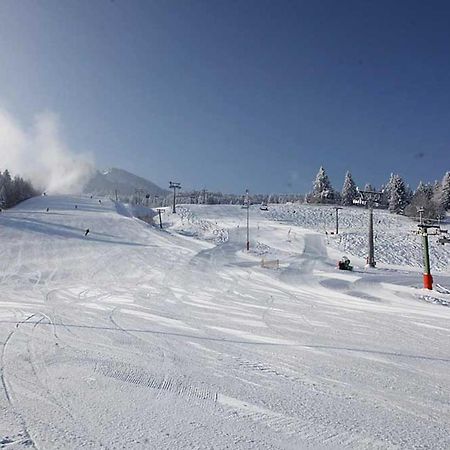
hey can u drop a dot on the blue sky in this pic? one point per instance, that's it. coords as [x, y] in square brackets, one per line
[234, 94]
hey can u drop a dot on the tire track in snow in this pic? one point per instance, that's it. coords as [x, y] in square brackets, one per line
[143, 344]
[32, 358]
[80, 425]
[302, 427]
[141, 377]
[24, 437]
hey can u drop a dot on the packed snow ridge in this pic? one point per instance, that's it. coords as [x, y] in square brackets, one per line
[133, 336]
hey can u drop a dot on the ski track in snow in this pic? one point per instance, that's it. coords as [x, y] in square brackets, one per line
[136, 337]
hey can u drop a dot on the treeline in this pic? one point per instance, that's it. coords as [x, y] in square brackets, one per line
[218, 198]
[211, 198]
[431, 201]
[14, 190]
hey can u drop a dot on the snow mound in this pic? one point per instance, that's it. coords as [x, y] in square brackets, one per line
[187, 223]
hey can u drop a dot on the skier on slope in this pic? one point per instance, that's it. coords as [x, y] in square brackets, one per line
[86, 232]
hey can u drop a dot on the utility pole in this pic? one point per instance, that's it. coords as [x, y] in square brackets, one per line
[159, 213]
[173, 185]
[247, 200]
[337, 208]
[371, 259]
[371, 197]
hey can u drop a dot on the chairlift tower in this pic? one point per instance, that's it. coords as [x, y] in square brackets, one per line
[160, 210]
[247, 201]
[337, 208]
[371, 197]
[173, 185]
[425, 230]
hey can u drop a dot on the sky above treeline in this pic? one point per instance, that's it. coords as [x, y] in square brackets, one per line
[229, 95]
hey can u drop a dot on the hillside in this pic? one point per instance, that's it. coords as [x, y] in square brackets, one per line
[125, 183]
[135, 337]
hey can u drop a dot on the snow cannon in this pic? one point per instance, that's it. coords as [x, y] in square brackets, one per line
[344, 264]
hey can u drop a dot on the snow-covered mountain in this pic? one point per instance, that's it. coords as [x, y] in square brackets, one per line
[126, 183]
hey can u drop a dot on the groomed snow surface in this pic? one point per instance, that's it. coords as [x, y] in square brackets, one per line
[136, 337]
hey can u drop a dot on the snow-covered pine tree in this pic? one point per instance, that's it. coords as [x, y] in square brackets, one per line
[408, 194]
[428, 190]
[390, 184]
[436, 186]
[445, 192]
[7, 186]
[386, 190]
[14, 191]
[3, 196]
[349, 191]
[421, 190]
[322, 189]
[424, 200]
[397, 197]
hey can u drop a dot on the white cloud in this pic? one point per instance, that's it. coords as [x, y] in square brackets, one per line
[40, 155]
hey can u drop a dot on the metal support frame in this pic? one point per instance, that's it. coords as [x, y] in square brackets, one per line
[174, 185]
[337, 208]
[247, 200]
[160, 220]
[371, 197]
[424, 232]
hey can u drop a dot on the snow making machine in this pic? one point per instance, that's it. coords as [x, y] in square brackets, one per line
[344, 264]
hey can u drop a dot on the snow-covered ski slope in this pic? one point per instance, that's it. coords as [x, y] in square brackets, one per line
[133, 337]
